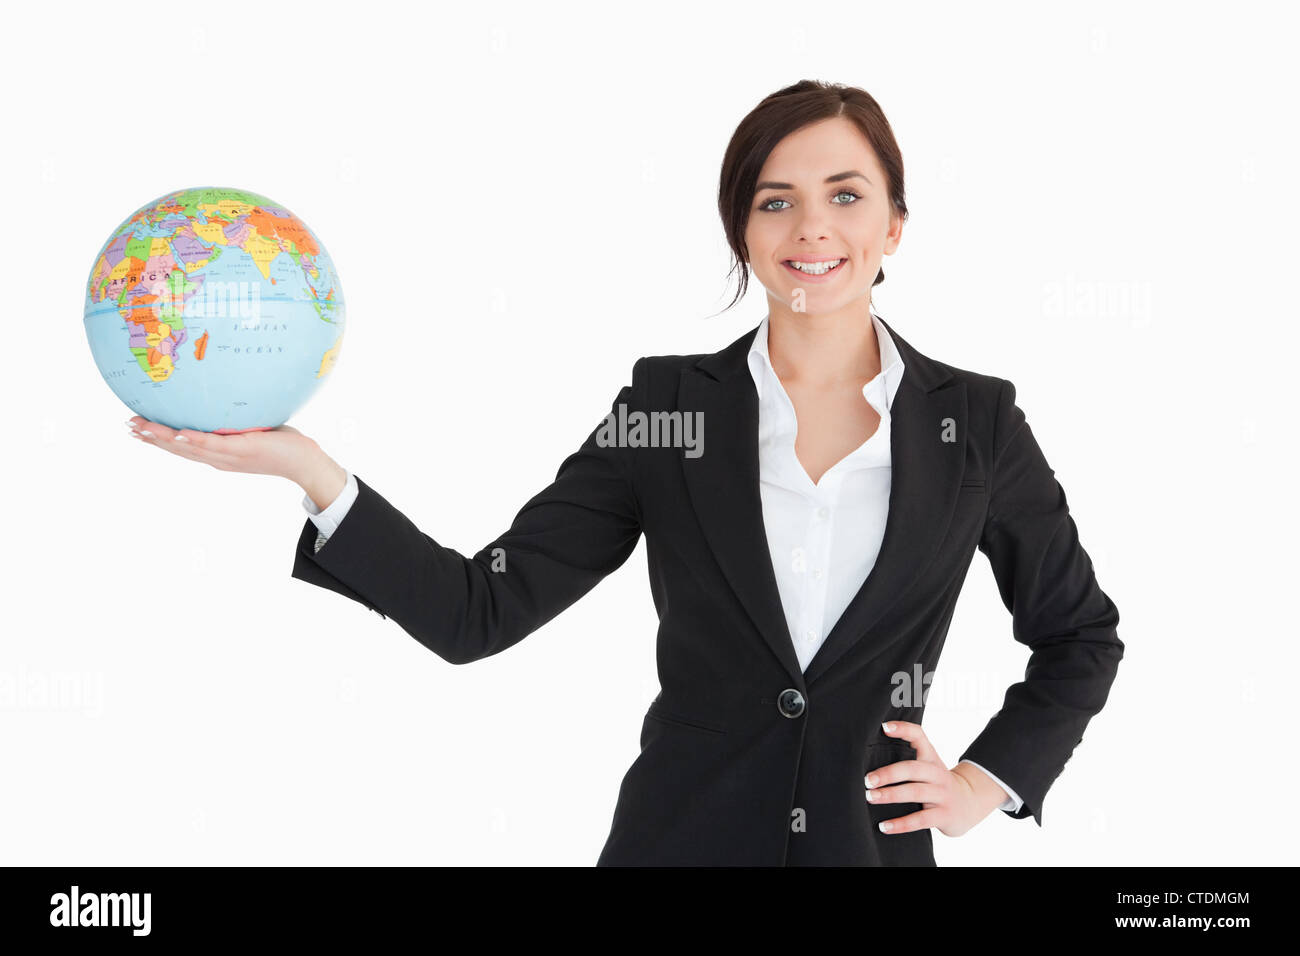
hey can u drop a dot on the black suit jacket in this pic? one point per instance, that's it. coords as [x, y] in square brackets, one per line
[724, 772]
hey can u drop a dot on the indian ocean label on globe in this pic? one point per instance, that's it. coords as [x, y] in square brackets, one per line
[214, 309]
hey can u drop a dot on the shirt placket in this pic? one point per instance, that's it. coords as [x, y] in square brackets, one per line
[818, 537]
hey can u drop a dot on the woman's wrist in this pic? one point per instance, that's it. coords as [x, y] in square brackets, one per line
[322, 480]
[985, 789]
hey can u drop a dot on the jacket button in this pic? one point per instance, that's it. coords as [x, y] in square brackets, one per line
[790, 703]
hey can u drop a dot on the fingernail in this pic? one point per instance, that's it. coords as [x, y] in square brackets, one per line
[888, 727]
[872, 780]
[180, 438]
[885, 826]
[872, 794]
[146, 431]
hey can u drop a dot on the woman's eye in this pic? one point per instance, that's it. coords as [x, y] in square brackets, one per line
[767, 206]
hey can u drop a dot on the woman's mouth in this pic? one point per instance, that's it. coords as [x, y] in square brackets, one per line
[814, 270]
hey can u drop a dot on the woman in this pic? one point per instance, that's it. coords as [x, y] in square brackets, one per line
[806, 543]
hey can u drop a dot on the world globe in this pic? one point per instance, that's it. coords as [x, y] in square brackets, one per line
[214, 309]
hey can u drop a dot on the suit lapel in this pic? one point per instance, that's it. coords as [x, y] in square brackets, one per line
[723, 485]
[724, 490]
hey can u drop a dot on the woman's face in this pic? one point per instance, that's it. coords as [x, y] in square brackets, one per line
[799, 213]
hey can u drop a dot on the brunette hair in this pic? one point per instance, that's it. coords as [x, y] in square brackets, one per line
[778, 115]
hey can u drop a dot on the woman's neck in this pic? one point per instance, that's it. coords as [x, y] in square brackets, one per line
[825, 350]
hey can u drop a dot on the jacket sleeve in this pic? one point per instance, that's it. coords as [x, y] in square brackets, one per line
[1046, 581]
[563, 541]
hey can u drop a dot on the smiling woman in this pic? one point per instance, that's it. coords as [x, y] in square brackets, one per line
[813, 555]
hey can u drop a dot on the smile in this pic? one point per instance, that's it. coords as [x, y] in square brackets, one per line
[823, 268]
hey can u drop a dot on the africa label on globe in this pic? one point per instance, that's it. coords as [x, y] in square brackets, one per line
[214, 309]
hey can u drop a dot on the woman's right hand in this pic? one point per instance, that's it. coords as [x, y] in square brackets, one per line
[282, 451]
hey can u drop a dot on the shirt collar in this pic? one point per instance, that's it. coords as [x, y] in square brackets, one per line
[891, 364]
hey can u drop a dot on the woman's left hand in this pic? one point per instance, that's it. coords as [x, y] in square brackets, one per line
[952, 801]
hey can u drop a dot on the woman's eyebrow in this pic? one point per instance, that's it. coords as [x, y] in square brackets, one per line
[768, 184]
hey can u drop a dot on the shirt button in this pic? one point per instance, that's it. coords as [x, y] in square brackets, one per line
[822, 513]
[809, 634]
[817, 573]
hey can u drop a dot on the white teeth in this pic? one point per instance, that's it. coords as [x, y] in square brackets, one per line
[816, 268]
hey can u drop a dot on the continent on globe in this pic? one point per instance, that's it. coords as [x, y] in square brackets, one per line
[241, 278]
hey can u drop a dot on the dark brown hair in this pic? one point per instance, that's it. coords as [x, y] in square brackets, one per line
[777, 116]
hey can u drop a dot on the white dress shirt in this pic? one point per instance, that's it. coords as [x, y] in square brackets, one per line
[824, 538]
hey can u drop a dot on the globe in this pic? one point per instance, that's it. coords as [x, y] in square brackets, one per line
[214, 309]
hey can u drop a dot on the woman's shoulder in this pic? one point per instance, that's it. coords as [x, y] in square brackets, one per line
[934, 372]
[988, 396]
[654, 375]
[983, 384]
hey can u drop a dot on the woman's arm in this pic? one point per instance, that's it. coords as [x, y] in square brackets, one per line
[1058, 610]
[323, 480]
[560, 545]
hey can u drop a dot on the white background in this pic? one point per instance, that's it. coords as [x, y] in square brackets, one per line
[521, 200]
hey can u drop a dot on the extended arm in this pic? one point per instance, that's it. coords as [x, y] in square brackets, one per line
[561, 544]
